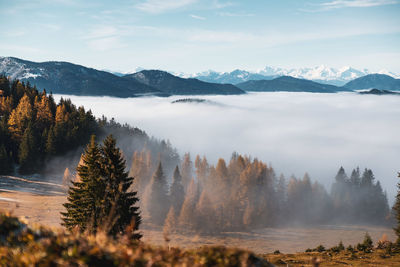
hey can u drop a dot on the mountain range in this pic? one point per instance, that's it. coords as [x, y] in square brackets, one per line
[321, 74]
[68, 78]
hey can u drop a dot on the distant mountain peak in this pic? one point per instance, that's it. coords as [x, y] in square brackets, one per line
[321, 73]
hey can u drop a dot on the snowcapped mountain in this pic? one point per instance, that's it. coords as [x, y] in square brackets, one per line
[322, 74]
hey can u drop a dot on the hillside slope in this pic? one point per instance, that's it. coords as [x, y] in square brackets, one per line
[174, 85]
[288, 84]
[379, 81]
[71, 79]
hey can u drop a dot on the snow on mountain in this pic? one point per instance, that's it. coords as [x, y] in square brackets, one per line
[18, 69]
[321, 73]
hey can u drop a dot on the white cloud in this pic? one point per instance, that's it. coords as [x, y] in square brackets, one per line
[336, 4]
[296, 132]
[230, 14]
[106, 43]
[103, 38]
[197, 17]
[161, 6]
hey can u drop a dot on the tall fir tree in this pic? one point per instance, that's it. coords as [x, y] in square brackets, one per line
[27, 152]
[120, 202]
[158, 201]
[396, 209]
[84, 208]
[5, 161]
[177, 192]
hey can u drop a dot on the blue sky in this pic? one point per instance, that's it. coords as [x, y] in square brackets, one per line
[196, 35]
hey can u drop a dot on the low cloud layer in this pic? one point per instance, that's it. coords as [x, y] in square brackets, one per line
[294, 132]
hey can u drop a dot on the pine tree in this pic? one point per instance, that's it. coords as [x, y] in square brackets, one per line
[119, 202]
[5, 162]
[158, 202]
[50, 147]
[187, 215]
[20, 118]
[187, 170]
[86, 197]
[177, 193]
[27, 152]
[67, 178]
[170, 222]
[205, 220]
[396, 209]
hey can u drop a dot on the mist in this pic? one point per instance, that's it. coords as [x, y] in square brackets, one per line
[293, 132]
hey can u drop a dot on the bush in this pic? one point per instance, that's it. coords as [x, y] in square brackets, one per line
[320, 248]
[367, 245]
[350, 248]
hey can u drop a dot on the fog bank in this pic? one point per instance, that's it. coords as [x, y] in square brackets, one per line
[295, 132]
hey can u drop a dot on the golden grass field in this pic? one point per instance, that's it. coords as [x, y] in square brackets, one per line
[45, 210]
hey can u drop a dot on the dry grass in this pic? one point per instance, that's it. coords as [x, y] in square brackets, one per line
[45, 210]
[376, 258]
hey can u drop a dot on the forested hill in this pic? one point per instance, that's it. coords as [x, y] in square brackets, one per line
[38, 135]
[174, 85]
[289, 84]
[71, 79]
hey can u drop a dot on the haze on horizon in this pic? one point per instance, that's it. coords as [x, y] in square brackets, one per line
[192, 35]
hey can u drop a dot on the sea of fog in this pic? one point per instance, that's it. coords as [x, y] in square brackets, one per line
[293, 132]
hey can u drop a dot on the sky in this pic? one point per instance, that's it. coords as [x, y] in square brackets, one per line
[196, 35]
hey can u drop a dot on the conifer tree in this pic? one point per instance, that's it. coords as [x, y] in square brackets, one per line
[50, 146]
[118, 200]
[396, 209]
[205, 215]
[20, 118]
[67, 178]
[177, 193]
[170, 222]
[5, 162]
[27, 152]
[187, 170]
[158, 202]
[86, 197]
[187, 214]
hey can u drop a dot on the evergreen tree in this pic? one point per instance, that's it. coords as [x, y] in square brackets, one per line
[170, 222]
[177, 193]
[84, 208]
[205, 215]
[27, 152]
[158, 202]
[187, 170]
[118, 201]
[5, 162]
[396, 209]
[187, 215]
[50, 147]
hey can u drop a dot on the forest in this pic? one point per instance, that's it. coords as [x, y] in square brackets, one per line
[39, 136]
[247, 194]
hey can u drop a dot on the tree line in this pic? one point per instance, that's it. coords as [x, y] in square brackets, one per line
[37, 135]
[33, 128]
[247, 194]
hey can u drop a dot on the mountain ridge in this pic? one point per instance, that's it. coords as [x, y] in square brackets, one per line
[174, 85]
[321, 74]
[289, 84]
